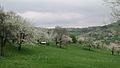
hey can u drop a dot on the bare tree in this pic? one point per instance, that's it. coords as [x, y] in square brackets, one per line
[115, 6]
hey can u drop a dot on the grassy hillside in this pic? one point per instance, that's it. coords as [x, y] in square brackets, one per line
[72, 56]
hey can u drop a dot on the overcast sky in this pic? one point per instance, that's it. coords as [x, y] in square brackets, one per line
[65, 13]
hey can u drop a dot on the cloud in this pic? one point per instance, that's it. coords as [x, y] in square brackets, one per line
[51, 19]
[67, 13]
[55, 5]
[50, 15]
[43, 18]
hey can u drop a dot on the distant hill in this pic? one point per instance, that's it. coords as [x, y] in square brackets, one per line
[78, 31]
[108, 33]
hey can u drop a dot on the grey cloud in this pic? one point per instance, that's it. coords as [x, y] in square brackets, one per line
[93, 12]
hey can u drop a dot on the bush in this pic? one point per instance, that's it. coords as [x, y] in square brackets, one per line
[74, 40]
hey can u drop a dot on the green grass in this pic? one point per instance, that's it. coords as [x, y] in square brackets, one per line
[53, 57]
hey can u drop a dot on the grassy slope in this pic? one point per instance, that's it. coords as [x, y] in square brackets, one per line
[52, 57]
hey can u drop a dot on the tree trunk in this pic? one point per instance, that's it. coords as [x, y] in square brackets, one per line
[118, 52]
[20, 42]
[19, 47]
[56, 43]
[89, 47]
[60, 44]
[2, 51]
[112, 51]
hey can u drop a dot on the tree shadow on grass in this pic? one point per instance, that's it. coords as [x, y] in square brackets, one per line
[13, 51]
[87, 49]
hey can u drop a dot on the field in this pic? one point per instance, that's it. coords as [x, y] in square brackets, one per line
[72, 56]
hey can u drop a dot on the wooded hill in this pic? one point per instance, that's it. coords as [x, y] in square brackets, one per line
[108, 33]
